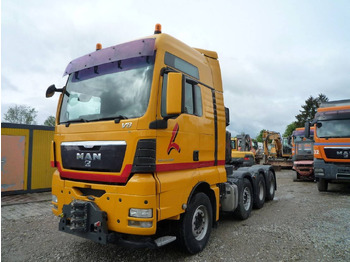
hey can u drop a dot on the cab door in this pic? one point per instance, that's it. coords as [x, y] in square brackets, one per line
[178, 149]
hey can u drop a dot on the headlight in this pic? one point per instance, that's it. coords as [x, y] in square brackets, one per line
[141, 213]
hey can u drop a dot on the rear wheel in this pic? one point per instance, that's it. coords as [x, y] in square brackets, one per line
[270, 193]
[196, 224]
[260, 192]
[246, 201]
[322, 185]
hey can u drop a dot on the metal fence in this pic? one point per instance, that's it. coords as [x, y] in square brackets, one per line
[25, 158]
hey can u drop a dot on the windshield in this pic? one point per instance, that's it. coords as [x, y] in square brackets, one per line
[233, 144]
[333, 128]
[299, 135]
[109, 91]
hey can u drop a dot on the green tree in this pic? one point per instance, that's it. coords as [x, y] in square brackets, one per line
[50, 121]
[21, 114]
[309, 109]
[259, 136]
[289, 129]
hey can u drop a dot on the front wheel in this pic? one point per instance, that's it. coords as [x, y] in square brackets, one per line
[322, 185]
[196, 224]
[296, 177]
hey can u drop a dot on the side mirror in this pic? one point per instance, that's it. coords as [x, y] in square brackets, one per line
[174, 93]
[307, 129]
[52, 89]
[227, 115]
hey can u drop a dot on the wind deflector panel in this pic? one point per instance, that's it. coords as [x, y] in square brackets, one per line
[145, 156]
[103, 156]
[142, 47]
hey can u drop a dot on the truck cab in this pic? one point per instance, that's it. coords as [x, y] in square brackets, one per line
[303, 154]
[332, 143]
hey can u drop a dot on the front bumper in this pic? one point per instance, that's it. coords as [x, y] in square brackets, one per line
[115, 200]
[331, 171]
[86, 220]
[305, 168]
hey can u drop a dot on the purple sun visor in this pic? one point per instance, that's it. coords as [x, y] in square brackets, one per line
[137, 48]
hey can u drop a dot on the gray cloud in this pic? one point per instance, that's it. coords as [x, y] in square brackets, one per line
[273, 54]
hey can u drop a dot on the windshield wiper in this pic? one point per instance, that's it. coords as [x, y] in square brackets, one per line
[118, 118]
[79, 120]
[115, 118]
[82, 120]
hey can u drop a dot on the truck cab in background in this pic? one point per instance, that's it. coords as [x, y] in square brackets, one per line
[332, 143]
[303, 154]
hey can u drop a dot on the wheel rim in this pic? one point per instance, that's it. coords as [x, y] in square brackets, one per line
[200, 222]
[246, 198]
[261, 191]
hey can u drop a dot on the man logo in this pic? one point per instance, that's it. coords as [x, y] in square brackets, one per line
[88, 158]
[344, 154]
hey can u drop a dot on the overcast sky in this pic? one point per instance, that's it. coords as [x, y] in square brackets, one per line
[274, 54]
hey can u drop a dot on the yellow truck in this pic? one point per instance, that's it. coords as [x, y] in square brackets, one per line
[141, 147]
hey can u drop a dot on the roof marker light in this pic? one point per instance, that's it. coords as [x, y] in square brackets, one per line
[98, 46]
[158, 29]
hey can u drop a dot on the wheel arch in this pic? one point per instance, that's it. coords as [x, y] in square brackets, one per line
[203, 187]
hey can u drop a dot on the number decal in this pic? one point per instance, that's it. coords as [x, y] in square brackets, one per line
[126, 125]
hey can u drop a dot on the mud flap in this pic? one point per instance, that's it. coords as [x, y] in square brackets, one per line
[85, 219]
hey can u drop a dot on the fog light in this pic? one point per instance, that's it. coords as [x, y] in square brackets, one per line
[319, 171]
[142, 224]
[141, 213]
[54, 199]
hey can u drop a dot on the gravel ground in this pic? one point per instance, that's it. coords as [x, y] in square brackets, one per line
[300, 224]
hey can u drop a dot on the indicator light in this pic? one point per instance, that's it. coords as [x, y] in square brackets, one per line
[158, 29]
[98, 46]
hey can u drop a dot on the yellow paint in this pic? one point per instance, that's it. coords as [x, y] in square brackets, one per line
[174, 93]
[116, 201]
[41, 169]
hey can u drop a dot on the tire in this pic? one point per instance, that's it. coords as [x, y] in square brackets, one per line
[270, 192]
[322, 185]
[246, 201]
[260, 193]
[196, 224]
[296, 177]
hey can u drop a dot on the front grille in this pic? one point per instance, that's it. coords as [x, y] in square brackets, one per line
[343, 176]
[337, 153]
[103, 156]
